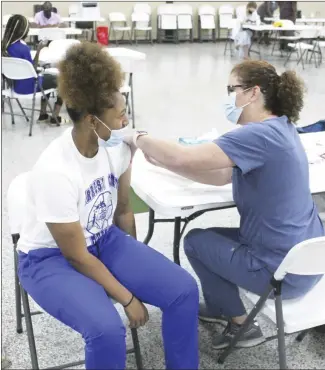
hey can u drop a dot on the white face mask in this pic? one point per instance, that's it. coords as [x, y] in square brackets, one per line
[115, 139]
[233, 112]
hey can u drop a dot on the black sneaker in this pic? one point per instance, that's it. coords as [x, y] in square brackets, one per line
[206, 316]
[54, 122]
[43, 117]
[253, 336]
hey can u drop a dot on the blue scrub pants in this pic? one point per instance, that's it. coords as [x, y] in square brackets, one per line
[82, 304]
[223, 264]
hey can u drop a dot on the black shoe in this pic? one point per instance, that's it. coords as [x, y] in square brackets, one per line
[206, 316]
[43, 117]
[253, 336]
[53, 121]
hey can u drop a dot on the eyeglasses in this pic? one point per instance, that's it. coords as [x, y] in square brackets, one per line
[231, 88]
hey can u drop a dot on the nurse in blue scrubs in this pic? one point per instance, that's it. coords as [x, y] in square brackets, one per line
[266, 163]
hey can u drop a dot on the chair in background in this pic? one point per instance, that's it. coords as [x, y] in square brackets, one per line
[226, 13]
[278, 37]
[304, 45]
[20, 69]
[167, 23]
[207, 21]
[141, 22]
[142, 8]
[185, 20]
[118, 23]
[293, 315]
[16, 201]
[126, 90]
[51, 34]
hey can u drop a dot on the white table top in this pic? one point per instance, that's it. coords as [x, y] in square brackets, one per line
[68, 31]
[76, 19]
[269, 27]
[171, 195]
[298, 20]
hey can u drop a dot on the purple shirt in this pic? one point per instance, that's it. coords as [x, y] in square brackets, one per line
[41, 20]
[20, 50]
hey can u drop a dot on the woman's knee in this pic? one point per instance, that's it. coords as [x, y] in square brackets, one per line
[106, 329]
[192, 241]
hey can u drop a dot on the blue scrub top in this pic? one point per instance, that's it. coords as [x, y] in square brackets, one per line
[22, 51]
[271, 188]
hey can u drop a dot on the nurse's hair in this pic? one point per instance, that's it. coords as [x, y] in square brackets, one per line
[283, 94]
[88, 80]
[16, 29]
[251, 4]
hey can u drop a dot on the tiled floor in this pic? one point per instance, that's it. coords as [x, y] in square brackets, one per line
[178, 94]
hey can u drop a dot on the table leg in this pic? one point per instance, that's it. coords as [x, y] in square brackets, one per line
[132, 100]
[177, 239]
[151, 226]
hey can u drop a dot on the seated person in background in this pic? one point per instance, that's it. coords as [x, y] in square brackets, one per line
[13, 45]
[47, 18]
[242, 37]
[266, 10]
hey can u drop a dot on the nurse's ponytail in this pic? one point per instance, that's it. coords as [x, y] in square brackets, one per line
[290, 96]
[283, 95]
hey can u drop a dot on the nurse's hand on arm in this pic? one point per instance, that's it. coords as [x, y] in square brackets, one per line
[57, 206]
[205, 163]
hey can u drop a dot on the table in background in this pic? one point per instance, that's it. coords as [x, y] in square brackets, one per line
[68, 31]
[181, 200]
[269, 27]
[299, 20]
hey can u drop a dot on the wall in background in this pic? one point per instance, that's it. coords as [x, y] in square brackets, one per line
[316, 8]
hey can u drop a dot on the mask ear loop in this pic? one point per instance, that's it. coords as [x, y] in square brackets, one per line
[242, 92]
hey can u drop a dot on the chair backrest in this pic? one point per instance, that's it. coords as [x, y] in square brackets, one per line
[140, 17]
[52, 34]
[74, 10]
[167, 9]
[207, 10]
[226, 20]
[58, 48]
[306, 258]
[16, 202]
[226, 9]
[116, 17]
[142, 8]
[309, 34]
[184, 9]
[241, 12]
[17, 69]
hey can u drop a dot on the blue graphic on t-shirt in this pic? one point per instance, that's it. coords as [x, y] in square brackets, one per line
[100, 213]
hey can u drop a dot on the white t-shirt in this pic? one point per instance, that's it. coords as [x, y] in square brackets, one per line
[65, 186]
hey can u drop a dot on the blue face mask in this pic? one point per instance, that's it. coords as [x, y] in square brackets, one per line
[115, 139]
[233, 112]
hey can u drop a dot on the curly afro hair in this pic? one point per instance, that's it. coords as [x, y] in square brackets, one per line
[88, 80]
[283, 95]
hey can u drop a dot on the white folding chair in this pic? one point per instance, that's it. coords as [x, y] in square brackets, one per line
[73, 12]
[52, 34]
[207, 21]
[293, 315]
[141, 22]
[294, 38]
[304, 45]
[167, 22]
[185, 20]
[16, 202]
[118, 23]
[142, 8]
[226, 13]
[19, 69]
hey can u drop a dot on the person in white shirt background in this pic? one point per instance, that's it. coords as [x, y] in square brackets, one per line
[46, 17]
[242, 37]
[78, 246]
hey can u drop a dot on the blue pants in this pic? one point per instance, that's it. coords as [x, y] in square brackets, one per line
[82, 304]
[223, 265]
